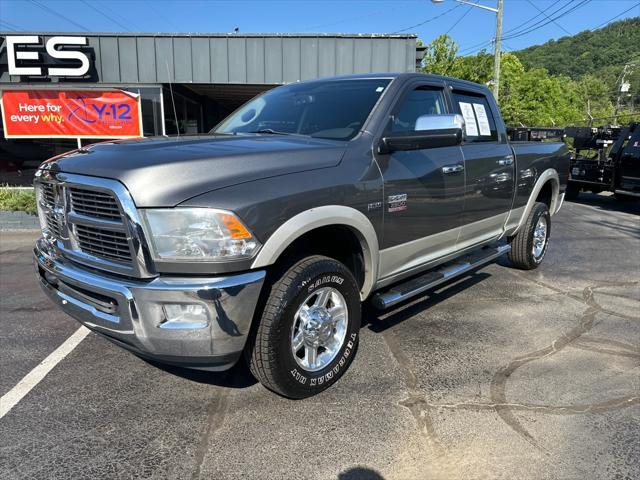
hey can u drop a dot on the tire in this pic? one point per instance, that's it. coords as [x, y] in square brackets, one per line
[529, 245]
[572, 192]
[304, 306]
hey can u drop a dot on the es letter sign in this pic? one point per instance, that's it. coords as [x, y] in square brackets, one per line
[32, 57]
[71, 114]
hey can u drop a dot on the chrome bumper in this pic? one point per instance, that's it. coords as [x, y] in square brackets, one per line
[130, 312]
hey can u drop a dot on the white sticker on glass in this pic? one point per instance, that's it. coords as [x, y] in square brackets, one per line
[483, 120]
[469, 119]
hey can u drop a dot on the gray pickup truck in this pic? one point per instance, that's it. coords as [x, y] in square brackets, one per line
[264, 236]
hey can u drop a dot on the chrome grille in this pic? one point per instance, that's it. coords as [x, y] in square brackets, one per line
[109, 244]
[94, 204]
[92, 221]
[55, 224]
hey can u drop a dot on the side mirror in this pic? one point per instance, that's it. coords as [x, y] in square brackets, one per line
[431, 131]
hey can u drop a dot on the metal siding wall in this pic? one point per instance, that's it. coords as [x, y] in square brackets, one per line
[327, 60]
[380, 55]
[308, 58]
[110, 59]
[344, 56]
[362, 53]
[94, 43]
[128, 55]
[255, 60]
[237, 54]
[237, 59]
[164, 60]
[273, 60]
[397, 55]
[291, 59]
[200, 60]
[219, 60]
[146, 59]
[182, 60]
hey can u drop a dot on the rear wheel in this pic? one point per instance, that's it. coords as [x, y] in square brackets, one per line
[308, 332]
[529, 245]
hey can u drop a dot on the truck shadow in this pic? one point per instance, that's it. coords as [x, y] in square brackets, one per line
[238, 376]
[608, 202]
[380, 320]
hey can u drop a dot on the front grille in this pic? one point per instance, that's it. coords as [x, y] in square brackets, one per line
[94, 204]
[48, 195]
[102, 243]
[54, 224]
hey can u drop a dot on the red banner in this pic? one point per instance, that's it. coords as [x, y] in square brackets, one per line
[71, 114]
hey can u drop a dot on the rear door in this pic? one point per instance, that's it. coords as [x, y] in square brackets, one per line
[489, 168]
[422, 204]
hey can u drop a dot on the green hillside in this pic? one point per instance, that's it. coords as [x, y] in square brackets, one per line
[587, 52]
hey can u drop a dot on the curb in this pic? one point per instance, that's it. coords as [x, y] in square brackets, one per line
[18, 221]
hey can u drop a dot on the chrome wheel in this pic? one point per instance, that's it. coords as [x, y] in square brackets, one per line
[539, 237]
[319, 329]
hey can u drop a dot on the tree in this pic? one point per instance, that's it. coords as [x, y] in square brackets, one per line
[440, 55]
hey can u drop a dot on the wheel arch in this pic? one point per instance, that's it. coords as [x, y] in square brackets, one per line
[325, 216]
[549, 179]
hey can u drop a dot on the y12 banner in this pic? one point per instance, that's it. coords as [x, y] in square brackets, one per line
[71, 114]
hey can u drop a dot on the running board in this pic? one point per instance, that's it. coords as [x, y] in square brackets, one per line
[627, 192]
[432, 279]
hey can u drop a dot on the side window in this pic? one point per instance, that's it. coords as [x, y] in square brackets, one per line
[479, 121]
[421, 101]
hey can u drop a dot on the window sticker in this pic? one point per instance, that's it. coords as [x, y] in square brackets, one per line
[469, 119]
[483, 120]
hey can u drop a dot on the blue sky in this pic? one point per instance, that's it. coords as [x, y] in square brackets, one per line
[471, 27]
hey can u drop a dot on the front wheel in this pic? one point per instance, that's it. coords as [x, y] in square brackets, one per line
[529, 245]
[308, 333]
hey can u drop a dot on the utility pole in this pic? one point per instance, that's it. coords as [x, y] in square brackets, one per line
[496, 60]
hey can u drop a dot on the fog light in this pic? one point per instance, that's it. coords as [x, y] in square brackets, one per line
[181, 315]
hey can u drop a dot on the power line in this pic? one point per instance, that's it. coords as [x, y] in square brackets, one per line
[157, 11]
[59, 15]
[533, 29]
[617, 16]
[486, 43]
[459, 20]
[104, 14]
[9, 26]
[542, 12]
[427, 20]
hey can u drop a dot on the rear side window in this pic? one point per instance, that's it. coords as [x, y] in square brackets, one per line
[421, 101]
[479, 121]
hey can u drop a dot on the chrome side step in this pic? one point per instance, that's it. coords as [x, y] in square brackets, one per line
[627, 192]
[432, 279]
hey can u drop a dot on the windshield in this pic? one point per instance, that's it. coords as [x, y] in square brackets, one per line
[334, 109]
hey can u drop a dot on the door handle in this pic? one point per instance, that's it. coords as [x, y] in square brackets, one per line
[452, 169]
[508, 160]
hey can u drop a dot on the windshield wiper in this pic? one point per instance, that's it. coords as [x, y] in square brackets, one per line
[270, 131]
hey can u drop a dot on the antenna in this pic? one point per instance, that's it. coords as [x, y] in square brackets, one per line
[173, 101]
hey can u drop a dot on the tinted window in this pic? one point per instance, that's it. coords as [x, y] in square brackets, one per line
[334, 109]
[421, 101]
[480, 124]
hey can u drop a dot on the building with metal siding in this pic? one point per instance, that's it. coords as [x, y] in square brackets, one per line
[189, 82]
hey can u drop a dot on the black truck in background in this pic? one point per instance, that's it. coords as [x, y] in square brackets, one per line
[598, 168]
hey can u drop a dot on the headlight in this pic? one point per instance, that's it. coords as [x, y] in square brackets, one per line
[198, 234]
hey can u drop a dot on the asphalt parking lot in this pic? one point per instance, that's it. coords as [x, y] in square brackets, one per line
[504, 374]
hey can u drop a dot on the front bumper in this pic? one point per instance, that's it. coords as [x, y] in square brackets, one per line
[130, 312]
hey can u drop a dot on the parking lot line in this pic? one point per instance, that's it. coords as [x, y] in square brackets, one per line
[31, 379]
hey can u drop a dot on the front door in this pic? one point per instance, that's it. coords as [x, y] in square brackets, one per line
[422, 204]
[489, 166]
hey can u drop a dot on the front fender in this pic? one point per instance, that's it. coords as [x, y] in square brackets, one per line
[324, 216]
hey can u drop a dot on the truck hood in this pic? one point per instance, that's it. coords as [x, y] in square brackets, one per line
[163, 172]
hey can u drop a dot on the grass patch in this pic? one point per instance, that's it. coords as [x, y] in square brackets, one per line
[14, 199]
